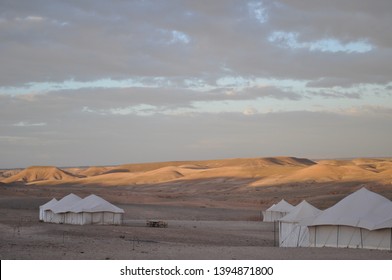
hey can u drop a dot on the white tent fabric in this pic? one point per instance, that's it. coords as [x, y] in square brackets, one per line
[291, 232]
[350, 210]
[94, 203]
[46, 206]
[379, 218]
[56, 213]
[90, 210]
[64, 204]
[94, 210]
[360, 220]
[277, 211]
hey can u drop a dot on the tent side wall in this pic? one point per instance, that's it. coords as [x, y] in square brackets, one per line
[293, 235]
[57, 218]
[100, 218]
[41, 213]
[83, 218]
[73, 218]
[47, 216]
[349, 237]
[264, 216]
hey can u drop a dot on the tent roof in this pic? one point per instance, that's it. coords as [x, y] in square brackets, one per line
[350, 210]
[282, 206]
[379, 217]
[94, 203]
[271, 207]
[64, 204]
[300, 212]
[49, 204]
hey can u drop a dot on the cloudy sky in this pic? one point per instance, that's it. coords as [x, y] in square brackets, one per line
[107, 82]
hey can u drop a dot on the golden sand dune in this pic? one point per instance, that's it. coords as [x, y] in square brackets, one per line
[157, 172]
[193, 166]
[118, 178]
[163, 174]
[201, 170]
[40, 173]
[333, 171]
[260, 162]
[243, 183]
[336, 162]
[258, 171]
[93, 171]
[8, 173]
[321, 172]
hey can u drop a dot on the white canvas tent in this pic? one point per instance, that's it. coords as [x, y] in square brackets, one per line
[360, 220]
[56, 213]
[277, 211]
[94, 210]
[90, 210]
[291, 232]
[46, 206]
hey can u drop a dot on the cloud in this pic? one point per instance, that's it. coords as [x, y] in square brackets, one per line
[291, 40]
[258, 11]
[28, 124]
[31, 19]
[243, 74]
[250, 111]
[179, 37]
[376, 111]
[13, 139]
[192, 40]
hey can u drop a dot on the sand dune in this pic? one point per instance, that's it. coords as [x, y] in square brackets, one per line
[39, 173]
[321, 172]
[8, 173]
[233, 183]
[269, 171]
[93, 171]
[330, 171]
[260, 162]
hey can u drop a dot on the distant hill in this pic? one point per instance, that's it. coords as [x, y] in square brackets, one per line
[258, 172]
[93, 171]
[39, 173]
[254, 162]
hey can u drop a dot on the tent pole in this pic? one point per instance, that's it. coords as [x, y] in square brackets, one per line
[390, 242]
[274, 234]
[315, 234]
[337, 238]
[360, 230]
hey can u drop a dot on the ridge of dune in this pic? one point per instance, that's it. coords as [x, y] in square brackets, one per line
[263, 171]
[159, 175]
[8, 173]
[192, 166]
[336, 162]
[39, 173]
[93, 171]
[321, 172]
[325, 172]
[256, 162]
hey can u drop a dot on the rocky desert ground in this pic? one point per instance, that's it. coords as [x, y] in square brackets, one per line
[213, 208]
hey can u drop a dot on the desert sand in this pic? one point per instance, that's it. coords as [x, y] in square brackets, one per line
[213, 208]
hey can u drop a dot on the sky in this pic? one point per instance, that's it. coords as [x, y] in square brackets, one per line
[109, 82]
